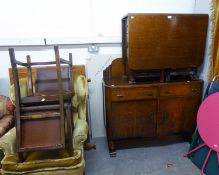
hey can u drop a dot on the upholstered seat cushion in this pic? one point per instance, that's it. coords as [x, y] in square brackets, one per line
[37, 163]
[43, 163]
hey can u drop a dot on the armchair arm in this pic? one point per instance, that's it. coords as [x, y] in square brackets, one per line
[80, 88]
[8, 142]
[82, 111]
[80, 134]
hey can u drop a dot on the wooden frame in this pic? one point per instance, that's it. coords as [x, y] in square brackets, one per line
[35, 113]
[22, 71]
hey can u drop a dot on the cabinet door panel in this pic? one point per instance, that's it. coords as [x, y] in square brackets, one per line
[177, 115]
[123, 119]
[133, 119]
[146, 118]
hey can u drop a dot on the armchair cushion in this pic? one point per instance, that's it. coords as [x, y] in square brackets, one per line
[39, 163]
[45, 163]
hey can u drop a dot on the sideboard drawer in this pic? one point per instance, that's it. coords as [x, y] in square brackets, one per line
[180, 90]
[122, 94]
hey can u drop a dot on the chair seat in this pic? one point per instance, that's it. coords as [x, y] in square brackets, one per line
[39, 115]
[45, 93]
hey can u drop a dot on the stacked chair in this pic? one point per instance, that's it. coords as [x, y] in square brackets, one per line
[43, 118]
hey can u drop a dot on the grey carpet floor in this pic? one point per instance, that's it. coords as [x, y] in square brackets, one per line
[157, 160]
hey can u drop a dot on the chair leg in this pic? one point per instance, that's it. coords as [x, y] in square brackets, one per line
[89, 146]
[69, 129]
[20, 157]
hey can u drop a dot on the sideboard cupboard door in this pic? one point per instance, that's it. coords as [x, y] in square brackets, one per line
[146, 118]
[177, 115]
[123, 120]
[178, 105]
[132, 119]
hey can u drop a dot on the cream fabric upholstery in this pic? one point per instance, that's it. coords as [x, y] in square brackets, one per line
[8, 142]
[23, 89]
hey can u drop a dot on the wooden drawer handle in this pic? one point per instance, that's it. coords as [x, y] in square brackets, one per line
[149, 94]
[120, 95]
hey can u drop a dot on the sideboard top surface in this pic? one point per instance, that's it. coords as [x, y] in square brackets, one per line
[120, 83]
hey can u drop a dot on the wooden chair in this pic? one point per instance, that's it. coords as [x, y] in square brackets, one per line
[41, 116]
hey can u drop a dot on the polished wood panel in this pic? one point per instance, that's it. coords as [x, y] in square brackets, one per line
[40, 133]
[138, 121]
[188, 89]
[150, 110]
[170, 109]
[177, 115]
[160, 41]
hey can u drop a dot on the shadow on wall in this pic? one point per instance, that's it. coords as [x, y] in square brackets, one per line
[4, 86]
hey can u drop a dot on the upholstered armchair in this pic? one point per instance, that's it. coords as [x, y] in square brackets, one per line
[6, 117]
[6, 114]
[54, 162]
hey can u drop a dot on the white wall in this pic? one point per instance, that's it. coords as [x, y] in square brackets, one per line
[44, 18]
[105, 23]
[84, 19]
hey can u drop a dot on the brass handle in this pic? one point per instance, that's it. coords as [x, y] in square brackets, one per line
[120, 95]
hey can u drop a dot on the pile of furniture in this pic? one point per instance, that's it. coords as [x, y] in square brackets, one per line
[43, 145]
